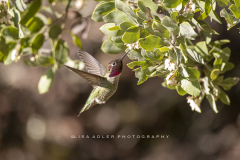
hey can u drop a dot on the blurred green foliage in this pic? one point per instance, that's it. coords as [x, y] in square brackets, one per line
[159, 36]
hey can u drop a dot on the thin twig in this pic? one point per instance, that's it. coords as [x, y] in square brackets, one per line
[66, 11]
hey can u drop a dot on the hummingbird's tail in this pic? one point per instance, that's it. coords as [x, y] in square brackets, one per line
[87, 106]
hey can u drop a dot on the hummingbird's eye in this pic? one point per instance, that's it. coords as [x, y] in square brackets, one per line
[114, 64]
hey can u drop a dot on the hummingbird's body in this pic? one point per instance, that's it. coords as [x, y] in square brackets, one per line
[104, 82]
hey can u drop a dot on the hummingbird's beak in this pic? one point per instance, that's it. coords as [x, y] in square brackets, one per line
[125, 54]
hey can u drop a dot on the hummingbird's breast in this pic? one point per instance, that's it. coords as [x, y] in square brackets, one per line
[109, 88]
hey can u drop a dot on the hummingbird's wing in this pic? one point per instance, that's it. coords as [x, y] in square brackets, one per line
[93, 79]
[92, 65]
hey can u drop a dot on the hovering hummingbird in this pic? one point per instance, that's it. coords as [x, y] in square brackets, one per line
[104, 82]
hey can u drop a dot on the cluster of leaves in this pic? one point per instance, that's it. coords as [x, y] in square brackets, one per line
[25, 34]
[164, 32]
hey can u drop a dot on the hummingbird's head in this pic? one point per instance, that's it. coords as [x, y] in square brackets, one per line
[115, 67]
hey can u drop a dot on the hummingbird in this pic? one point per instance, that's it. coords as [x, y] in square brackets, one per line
[104, 82]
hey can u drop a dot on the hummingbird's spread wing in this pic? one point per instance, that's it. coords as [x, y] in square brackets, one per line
[93, 79]
[92, 65]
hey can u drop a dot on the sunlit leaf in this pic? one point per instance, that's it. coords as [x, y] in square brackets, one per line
[101, 10]
[46, 81]
[151, 42]
[37, 42]
[30, 11]
[131, 35]
[110, 47]
[54, 32]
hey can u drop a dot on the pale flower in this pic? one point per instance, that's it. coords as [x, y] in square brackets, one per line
[194, 104]
[169, 65]
[193, 6]
[133, 46]
[173, 81]
[14, 55]
[32, 59]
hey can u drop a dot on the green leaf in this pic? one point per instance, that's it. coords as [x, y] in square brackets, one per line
[223, 97]
[135, 54]
[157, 26]
[110, 47]
[235, 10]
[185, 16]
[30, 11]
[237, 2]
[10, 32]
[207, 6]
[114, 28]
[105, 29]
[227, 16]
[37, 42]
[51, 1]
[125, 25]
[125, 8]
[229, 82]
[224, 54]
[131, 35]
[170, 25]
[164, 49]
[11, 47]
[214, 16]
[150, 4]
[133, 64]
[151, 42]
[101, 10]
[201, 47]
[180, 91]
[46, 81]
[195, 56]
[212, 102]
[141, 74]
[187, 31]
[145, 12]
[16, 17]
[222, 3]
[35, 24]
[77, 41]
[21, 6]
[153, 56]
[44, 60]
[54, 32]
[227, 67]
[214, 74]
[188, 73]
[61, 52]
[3, 49]
[142, 15]
[184, 51]
[118, 17]
[191, 87]
[195, 72]
[31, 63]
[172, 3]
[174, 16]
[118, 37]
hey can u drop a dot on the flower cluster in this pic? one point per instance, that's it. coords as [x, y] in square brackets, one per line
[133, 46]
[4, 16]
[194, 104]
[169, 65]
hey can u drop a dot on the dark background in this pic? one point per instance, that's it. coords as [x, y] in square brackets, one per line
[36, 127]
